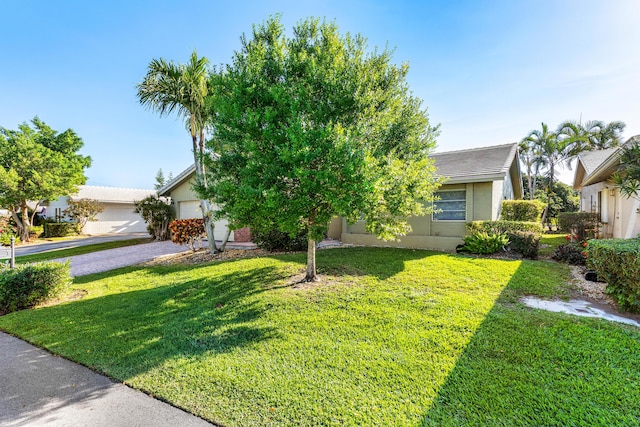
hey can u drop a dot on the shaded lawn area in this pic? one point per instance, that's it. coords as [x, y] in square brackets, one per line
[79, 250]
[391, 337]
[549, 242]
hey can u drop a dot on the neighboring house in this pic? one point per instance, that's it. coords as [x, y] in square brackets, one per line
[479, 180]
[186, 204]
[119, 214]
[619, 214]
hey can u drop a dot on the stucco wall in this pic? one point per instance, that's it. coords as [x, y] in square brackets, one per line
[428, 233]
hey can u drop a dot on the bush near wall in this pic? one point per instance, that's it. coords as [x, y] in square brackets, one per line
[187, 231]
[521, 210]
[525, 242]
[28, 285]
[504, 227]
[61, 229]
[617, 262]
[274, 241]
[580, 225]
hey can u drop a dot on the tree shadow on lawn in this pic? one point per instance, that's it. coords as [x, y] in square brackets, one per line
[531, 367]
[129, 333]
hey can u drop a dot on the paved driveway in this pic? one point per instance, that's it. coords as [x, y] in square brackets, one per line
[35, 248]
[110, 259]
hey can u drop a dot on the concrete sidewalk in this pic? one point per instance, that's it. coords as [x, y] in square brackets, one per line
[39, 389]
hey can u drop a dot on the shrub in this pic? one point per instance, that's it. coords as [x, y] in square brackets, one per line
[27, 285]
[35, 231]
[571, 253]
[521, 210]
[187, 232]
[157, 213]
[617, 262]
[83, 210]
[503, 227]
[7, 229]
[484, 243]
[61, 229]
[582, 225]
[274, 240]
[525, 242]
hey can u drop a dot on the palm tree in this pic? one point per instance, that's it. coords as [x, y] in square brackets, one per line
[551, 152]
[593, 135]
[182, 88]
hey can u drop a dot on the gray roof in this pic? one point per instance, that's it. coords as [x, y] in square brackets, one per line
[183, 176]
[112, 194]
[592, 159]
[476, 164]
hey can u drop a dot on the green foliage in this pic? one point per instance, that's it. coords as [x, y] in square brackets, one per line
[278, 241]
[37, 163]
[484, 243]
[617, 262]
[503, 227]
[26, 286]
[83, 210]
[571, 253]
[580, 225]
[36, 231]
[187, 232]
[521, 210]
[627, 177]
[61, 229]
[7, 229]
[311, 127]
[157, 213]
[525, 242]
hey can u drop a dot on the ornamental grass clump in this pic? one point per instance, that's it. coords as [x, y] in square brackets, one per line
[482, 243]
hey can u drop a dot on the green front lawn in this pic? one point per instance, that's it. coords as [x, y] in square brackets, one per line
[390, 337]
[79, 250]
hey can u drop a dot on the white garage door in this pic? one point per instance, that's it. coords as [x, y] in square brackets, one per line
[191, 209]
[118, 218]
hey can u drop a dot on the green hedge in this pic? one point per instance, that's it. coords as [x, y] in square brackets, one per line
[525, 242]
[521, 210]
[274, 241]
[61, 229]
[617, 262]
[30, 284]
[582, 225]
[503, 227]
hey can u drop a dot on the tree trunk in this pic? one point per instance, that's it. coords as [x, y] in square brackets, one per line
[204, 204]
[311, 261]
[24, 231]
[226, 239]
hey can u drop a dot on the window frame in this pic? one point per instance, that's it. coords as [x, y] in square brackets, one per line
[464, 199]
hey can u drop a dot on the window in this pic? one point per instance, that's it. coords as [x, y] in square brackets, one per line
[452, 206]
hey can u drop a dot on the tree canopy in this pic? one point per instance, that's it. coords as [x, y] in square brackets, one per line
[36, 164]
[311, 127]
[627, 177]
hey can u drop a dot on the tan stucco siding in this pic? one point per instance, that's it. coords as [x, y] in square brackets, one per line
[436, 234]
[184, 192]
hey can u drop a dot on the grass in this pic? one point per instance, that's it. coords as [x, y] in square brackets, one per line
[78, 250]
[391, 337]
[549, 242]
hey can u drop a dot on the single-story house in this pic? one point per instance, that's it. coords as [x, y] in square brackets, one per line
[119, 215]
[479, 179]
[186, 204]
[618, 214]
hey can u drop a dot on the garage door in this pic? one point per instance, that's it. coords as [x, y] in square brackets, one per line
[191, 209]
[119, 218]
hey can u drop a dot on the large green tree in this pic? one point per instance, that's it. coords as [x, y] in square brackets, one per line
[169, 88]
[592, 135]
[311, 127]
[36, 164]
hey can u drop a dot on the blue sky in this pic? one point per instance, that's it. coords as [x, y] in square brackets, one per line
[488, 71]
